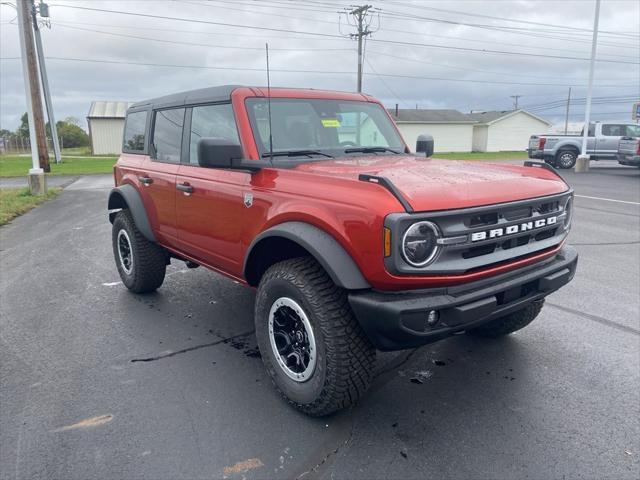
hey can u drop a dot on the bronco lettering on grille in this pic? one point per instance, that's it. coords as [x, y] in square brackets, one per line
[512, 229]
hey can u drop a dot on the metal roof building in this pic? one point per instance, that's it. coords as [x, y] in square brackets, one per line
[452, 131]
[506, 130]
[106, 124]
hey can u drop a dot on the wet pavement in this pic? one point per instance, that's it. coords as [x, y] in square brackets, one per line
[97, 382]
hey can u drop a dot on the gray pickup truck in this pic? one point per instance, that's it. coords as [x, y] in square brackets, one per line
[629, 151]
[561, 151]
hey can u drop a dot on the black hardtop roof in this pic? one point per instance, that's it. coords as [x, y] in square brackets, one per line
[221, 93]
[201, 95]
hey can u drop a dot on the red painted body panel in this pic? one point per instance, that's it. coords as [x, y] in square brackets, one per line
[212, 226]
[210, 220]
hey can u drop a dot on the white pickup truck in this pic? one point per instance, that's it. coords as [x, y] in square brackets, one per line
[561, 151]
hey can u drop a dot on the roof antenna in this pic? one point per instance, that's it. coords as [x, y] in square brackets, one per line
[269, 106]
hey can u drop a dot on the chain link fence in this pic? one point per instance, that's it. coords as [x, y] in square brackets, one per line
[21, 145]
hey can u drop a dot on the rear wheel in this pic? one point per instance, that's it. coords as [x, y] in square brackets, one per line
[312, 346]
[509, 323]
[566, 158]
[141, 264]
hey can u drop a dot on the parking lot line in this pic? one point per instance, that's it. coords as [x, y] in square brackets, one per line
[608, 199]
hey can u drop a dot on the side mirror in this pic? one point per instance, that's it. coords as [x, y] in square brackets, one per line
[218, 153]
[424, 144]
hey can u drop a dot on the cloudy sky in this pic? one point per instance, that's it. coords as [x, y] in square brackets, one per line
[466, 55]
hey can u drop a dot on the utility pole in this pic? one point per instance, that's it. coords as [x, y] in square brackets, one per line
[44, 12]
[36, 178]
[582, 164]
[566, 115]
[515, 97]
[360, 15]
[32, 85]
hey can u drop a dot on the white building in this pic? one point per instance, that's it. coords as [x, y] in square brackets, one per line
[106, 124]
[505, 130]
[452, 131]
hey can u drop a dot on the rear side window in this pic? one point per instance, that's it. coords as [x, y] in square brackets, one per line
[613, 130]
[134, 130]
[167, 135]
[213, 121]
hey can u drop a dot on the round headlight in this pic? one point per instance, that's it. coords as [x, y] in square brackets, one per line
[568, 213]
[419, 244]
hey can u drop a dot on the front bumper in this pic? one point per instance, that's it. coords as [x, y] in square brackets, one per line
[395, 321]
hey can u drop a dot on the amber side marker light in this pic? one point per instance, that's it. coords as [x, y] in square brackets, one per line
[387, 242]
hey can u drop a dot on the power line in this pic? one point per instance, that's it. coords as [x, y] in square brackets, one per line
[499, 52]
[194, 20]
[196, 32]
[394, 42]
[321, 72]
[178, 42]
[503, 29]
[136, 27]
[464, 68]
[515, 20]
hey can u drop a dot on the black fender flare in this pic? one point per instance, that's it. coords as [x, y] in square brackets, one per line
[126, 196]
[322, 246]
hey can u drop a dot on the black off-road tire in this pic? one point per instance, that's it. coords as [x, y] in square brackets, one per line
[345, 358]
[566, 158]
[149, 261]
[509, 323]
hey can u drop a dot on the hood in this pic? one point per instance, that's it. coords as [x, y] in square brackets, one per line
[432, 184]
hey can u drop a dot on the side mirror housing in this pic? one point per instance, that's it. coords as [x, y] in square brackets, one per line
[424, 144]
[218, 153]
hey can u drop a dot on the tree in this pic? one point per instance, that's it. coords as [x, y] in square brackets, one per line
[72, 135]
[69, 131]
[4, 133]
[23, 129]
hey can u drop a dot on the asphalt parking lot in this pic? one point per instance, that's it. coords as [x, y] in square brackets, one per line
[97, 382]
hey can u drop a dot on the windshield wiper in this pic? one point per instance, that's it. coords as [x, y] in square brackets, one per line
[296, 153]
[369, 150]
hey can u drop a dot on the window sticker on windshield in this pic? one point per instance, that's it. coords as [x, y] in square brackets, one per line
[330, 122]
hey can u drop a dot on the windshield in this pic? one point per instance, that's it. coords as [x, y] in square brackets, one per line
[317, 129]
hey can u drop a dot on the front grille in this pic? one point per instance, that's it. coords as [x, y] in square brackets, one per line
[478, 237]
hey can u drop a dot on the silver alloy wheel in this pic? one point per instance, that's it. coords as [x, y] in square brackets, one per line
[566, 159]
[125, 252]
[292, 340]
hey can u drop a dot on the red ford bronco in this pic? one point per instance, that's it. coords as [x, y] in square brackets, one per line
[352, 242]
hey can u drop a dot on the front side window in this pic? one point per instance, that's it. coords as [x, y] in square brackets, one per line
[167, 135]
[134, 129]
[211, 121]
[632, 131]
[334, 128]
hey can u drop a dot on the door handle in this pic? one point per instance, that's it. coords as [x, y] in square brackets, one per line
[145, 180]
[185, 188]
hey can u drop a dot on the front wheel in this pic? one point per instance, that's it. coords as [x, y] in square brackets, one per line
[509, 323]
[312, 346]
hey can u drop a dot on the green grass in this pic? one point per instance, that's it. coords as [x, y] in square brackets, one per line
[517, 155]
[16, 201]
[18, 166]
[80, 151]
